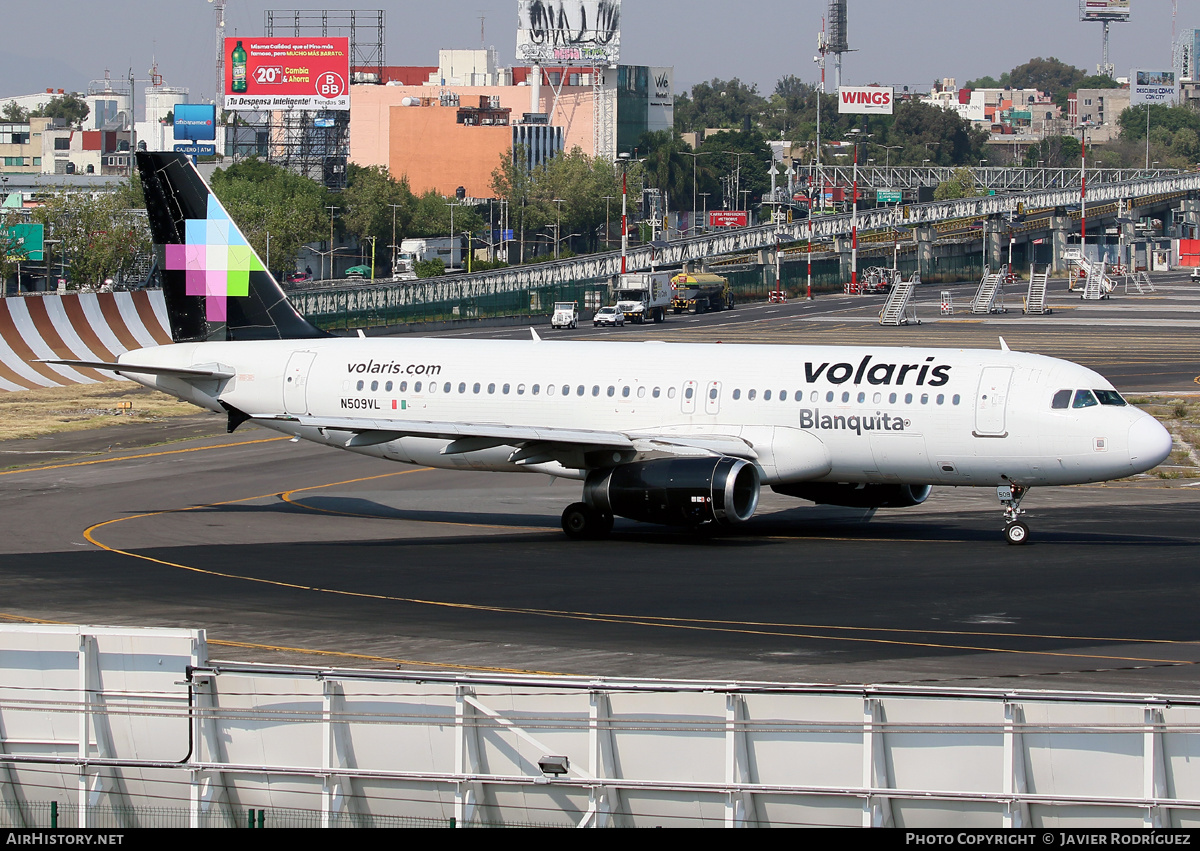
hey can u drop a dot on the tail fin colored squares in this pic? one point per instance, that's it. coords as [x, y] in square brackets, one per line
[214, 283]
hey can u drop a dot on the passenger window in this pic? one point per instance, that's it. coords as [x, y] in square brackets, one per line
[1084, 399]
[361, 385]
[432, 387]
[388, 387]
[712, 393]
[782, 395]
[656, 392]
[505, 389]
[845, 396]
[691, 391]
[908, 398]
[595, 389]
[417, 387]
[550, 390]
[891, 398]
[446, 387]
[475, 389]
[403, 386]
[815, 396]
[737, 394]
[491, 388]
[1062, 399]
[862, 397]
[924, 398]
[829, 396]
[536, 389]
[941, 398]
[578, 391]
[956, 399]
[750, 396]
[641, 392]
[462, 387]
[670, 392]
[1110, 397]
[625, 392]
[520, 389]
[766, 395]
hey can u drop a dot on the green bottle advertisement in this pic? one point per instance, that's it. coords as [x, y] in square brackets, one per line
[239, 69]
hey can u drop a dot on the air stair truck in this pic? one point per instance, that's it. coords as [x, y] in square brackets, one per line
[643, 296]
[700, 293]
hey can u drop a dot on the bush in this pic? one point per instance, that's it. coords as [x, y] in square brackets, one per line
[430, 268]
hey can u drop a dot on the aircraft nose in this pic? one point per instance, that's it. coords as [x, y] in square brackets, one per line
[1149, 443]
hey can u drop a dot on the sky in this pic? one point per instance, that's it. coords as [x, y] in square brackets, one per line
[66, 43]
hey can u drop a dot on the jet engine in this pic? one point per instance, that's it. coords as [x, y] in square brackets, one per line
[677, 491]
[856, 496]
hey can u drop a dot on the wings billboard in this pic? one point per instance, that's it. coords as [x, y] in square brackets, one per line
[287, 74]
[569, 32]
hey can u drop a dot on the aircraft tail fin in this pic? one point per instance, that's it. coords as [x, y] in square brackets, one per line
[214, 284]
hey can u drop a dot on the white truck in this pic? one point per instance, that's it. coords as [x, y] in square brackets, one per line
[643, 296]
[566, 315]
[413, 251]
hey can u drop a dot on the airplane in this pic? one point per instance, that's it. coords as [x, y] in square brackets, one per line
[675, 434]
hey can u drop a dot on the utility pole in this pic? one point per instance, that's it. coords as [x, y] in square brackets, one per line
[331, 210]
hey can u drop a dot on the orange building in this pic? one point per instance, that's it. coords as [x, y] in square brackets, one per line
[437, 149]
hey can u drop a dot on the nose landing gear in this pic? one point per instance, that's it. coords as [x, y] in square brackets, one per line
[1010, 496]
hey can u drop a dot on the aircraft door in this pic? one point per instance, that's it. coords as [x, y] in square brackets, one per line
[295, 382]
[712, 398]
[991, 401]
[687, 399]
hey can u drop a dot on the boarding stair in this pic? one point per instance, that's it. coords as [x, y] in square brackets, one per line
[898, 309]
[1035, 298]
[1097, 283]
[1138, 283]
[991, 290]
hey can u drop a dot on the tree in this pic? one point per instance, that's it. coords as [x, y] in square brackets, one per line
[1054, 152]
[14, 113]
[747, 172]
[1055, 78]
[368, 199]
[265, 199]
[961, 185]
[101, 235]
[721, 103]
[70, 109]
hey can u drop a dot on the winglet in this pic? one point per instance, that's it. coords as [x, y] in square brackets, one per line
[533, 332]
[1004, 346]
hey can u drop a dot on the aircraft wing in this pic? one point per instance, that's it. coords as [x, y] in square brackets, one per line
[532, 444]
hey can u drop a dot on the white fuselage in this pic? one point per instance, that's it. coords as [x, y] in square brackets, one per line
[810, 413]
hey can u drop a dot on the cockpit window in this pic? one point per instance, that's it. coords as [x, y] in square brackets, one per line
[1062, 399]
[1084, 399]
[1110, 397]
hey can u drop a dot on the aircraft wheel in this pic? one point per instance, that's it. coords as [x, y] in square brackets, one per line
[1016, 533]
[582, 522]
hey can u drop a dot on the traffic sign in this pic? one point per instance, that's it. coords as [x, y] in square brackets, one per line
[887, 196]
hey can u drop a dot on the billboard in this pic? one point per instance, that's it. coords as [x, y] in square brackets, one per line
[287, 74]
[1152, 87]
[873, 100]
[195, 122]
[1104, 10]
[569, 32]
[728, 218]
[25, 241]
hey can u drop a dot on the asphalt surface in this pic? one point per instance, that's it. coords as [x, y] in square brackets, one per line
[291, 552]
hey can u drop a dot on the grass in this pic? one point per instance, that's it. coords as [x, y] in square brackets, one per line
[54, 410]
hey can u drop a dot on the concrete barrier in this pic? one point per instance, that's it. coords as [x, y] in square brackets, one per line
[87, 326]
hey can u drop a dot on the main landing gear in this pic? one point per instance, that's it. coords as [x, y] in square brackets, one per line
[1015, 530]
[582, 522]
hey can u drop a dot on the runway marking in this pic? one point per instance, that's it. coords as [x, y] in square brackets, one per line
[694, 624]
[139, 457]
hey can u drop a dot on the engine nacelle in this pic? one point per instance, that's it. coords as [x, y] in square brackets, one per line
[857, 496]
[677, 491]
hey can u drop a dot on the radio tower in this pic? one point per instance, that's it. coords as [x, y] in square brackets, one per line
[219, 92]
[838, 41]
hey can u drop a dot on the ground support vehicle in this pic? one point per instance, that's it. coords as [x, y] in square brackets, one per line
[643, 296]
[566, 315]
[700, 293]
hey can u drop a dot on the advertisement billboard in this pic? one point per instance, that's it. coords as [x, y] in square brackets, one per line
[1152, 87]
[728, 218]
[569, 32]
[25, 241]
[195, 122]
[859, 100]
[287, 74]
[1104, 10]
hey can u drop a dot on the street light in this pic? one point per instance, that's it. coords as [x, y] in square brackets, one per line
[331, 210]
[695, 155]
[855, 134]
[558, 227]
[889, 149]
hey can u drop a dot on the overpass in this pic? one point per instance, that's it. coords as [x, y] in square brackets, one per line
[821, 229]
